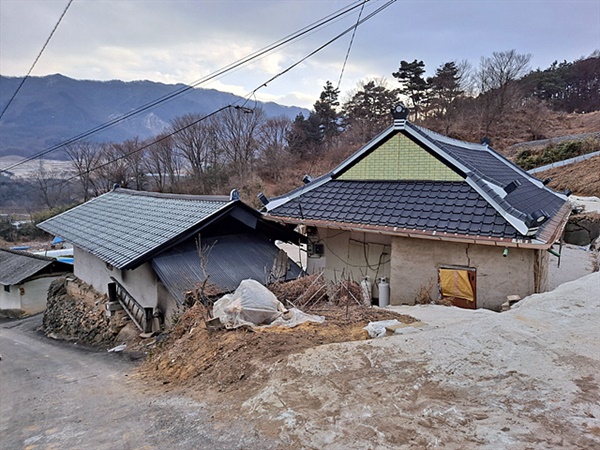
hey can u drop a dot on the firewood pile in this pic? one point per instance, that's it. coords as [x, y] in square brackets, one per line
[315, 291]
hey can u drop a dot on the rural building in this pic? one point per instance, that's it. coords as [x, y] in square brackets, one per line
[435, 216]
[152, 248]
[25, 278]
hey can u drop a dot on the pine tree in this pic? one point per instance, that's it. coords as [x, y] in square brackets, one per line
[414, 86]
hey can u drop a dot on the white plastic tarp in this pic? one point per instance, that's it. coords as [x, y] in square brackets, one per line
[254, 305]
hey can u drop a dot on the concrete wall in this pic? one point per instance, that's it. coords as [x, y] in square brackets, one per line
[33, 299]
[141, 283]
[415, 264]
[412, 265]
[10, 300]
[352, 255]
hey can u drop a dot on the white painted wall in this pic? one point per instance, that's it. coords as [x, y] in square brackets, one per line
[10, 300]
[32, 300]
[141, 283]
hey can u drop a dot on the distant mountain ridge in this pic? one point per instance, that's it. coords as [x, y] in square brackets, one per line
[51, 109]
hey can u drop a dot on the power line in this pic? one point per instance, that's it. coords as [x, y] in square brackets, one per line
[317, 50]
[36, 59]
[220, 72]
[350, 46]
[242, 107]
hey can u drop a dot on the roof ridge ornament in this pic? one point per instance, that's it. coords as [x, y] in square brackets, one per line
[400, 114]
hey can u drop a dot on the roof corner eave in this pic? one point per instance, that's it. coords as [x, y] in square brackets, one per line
[516, 222]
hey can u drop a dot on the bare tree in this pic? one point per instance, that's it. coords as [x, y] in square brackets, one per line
[133, 152]
[497, 76]
[113, 168]
[51, 185]
[163, 163]
[85, 157]
[237, 133]
[197, 145]
[273, 149]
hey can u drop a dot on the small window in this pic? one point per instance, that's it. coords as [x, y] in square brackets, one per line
[6, 288]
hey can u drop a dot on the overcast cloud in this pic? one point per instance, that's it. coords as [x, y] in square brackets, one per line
[180, 41]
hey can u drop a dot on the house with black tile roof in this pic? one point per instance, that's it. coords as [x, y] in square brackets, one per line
[155, 247]
[437, 217]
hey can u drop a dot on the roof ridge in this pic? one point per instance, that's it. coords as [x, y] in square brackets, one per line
[28, 254]
[449, 140]
[174, 196]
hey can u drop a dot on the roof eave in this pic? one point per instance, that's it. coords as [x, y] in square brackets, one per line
[414, 233]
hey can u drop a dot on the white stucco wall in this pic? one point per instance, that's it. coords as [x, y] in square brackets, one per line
[141, 283]
[415, 264]
[32, 300]
[352, 255]
[10, 300]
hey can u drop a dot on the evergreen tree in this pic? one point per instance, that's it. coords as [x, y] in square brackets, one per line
[367, 112]
[414, 86]
[326, 110]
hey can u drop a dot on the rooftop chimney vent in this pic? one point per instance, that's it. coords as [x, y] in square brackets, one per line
[307, 179]
[510, 187]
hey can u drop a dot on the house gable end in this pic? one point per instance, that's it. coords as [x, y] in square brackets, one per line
[400, 158]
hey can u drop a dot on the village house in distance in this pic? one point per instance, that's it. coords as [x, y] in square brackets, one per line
[435, 216]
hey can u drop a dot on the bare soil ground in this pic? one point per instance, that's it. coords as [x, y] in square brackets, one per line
[523, 379]
[226, 360]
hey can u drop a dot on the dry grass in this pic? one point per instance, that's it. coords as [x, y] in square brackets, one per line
[581, 178]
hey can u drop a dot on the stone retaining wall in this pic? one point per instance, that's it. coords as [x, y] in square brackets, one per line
[75, 311]
[582, 229]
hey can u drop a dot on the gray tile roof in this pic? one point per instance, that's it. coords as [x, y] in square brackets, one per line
[125, 228]
[15, 267]
[232, 258]
[478, 206]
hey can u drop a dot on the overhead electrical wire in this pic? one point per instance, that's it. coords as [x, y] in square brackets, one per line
[350, 46]
[242, 107]
[36, 59]
[329, 42]
[220, 72]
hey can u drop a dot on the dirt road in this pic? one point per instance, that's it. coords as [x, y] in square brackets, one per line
[54, 395]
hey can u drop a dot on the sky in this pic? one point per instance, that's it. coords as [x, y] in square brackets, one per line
[182, 41]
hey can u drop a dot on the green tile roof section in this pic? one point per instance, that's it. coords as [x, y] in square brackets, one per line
[400, 159]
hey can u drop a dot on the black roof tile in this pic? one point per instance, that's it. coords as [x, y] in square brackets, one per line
[415, 205]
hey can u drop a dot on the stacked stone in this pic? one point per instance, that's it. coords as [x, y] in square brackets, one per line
[582, 229]
[76, 312]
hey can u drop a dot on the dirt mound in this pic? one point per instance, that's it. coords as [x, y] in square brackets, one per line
[226, 360]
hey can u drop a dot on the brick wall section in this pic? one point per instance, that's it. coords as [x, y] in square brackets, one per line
[400, 159]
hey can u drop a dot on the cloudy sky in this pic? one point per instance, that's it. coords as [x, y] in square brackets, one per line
[181, 41]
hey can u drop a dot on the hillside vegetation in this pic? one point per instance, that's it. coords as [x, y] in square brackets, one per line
[252, 151]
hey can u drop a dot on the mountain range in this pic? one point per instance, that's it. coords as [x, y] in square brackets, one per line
[51, 109]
